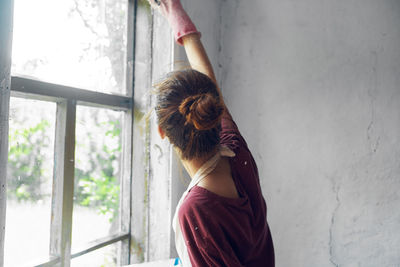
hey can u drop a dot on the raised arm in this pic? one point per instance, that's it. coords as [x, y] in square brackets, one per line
[186, 34]
[198, 59]
[197, 55]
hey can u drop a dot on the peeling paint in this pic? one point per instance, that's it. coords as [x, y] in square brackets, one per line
[146, 207]
[160, 153]
[137, 249]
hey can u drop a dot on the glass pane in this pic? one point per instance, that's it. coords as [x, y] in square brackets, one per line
[71, 42]
[97, 174]
[103, 257]
[29, 180]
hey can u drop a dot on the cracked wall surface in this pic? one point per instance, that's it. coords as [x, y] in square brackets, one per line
[315, 89]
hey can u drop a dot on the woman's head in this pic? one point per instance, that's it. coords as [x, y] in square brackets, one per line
[189, 109]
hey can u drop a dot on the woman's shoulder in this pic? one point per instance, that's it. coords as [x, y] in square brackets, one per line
[195, 206]
[230, 135]
[202, 203]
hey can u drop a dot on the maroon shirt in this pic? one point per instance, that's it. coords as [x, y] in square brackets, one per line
[221, 231]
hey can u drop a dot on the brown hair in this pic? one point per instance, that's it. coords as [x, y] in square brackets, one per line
[189, 110]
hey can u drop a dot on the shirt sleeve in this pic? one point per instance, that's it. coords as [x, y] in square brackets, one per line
[244, 165]
[205, 239]
[230, 135]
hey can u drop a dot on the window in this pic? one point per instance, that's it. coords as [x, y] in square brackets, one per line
[70, 151]
[96, 160]
[71, 42]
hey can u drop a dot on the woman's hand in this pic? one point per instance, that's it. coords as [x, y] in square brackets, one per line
[177, 17]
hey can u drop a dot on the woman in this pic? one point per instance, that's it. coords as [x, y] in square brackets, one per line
[221, 218]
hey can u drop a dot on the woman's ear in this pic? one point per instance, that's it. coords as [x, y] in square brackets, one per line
[161, 132]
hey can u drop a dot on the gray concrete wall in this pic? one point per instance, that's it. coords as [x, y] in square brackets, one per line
[315, 88]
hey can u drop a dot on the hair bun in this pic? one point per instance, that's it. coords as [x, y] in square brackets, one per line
[202, 110]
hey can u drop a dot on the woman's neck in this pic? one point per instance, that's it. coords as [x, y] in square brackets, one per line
[193, 165]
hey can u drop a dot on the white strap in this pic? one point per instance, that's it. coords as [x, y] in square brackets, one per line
[201, 173]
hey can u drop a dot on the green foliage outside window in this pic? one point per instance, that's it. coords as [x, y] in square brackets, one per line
[25, 162]
[97, 186]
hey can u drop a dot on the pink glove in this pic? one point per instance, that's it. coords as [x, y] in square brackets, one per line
[177, 17]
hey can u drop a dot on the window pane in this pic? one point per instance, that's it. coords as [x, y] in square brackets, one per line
[103, 257]
[71, 42]
[29, 180]
[97, 174]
